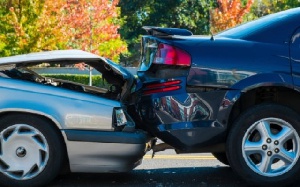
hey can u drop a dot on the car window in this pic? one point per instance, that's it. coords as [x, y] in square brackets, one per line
[67, 71]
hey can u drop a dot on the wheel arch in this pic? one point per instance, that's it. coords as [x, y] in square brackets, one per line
[53, 123]
[283, 95]
[31, 112]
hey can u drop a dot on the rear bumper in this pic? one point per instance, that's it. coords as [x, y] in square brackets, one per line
[191, 137]
[189, 122]
[102, 152]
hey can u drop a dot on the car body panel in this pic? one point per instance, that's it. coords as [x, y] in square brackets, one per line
[104, 157]
[50, 56]
[295, 57]
[63, 106]
[107, 151]
[182, 117]
[227, 65]
[223, 68]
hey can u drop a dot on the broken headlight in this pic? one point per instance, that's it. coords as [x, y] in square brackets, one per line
[122, 121]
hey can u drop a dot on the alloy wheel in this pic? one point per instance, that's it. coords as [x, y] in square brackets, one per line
[271, 147]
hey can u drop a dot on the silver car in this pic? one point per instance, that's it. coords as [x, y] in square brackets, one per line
[48, 124]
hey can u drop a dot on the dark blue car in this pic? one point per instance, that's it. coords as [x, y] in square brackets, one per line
[235, 94]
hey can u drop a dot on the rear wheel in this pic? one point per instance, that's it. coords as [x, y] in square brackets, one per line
[263, 145]
[222, 157]
[31, 151]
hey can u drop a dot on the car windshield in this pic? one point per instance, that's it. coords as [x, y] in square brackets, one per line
[252, 27]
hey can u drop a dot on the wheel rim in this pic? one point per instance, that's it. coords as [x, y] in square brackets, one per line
[271, 147]
[24, 152]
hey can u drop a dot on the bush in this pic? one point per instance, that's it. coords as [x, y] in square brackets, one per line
[83, 79]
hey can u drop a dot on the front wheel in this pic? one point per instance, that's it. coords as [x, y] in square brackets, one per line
[263, 145]
[31, 151]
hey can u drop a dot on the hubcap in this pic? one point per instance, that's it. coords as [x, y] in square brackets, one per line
[24, 152]
[21, 152]
[271, 147]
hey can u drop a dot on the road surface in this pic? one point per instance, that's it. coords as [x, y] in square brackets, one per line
[167, 169]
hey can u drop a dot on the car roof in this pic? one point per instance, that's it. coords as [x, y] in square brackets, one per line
[270, 28]
[48, 56]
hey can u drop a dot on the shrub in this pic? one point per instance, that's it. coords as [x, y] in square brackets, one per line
[83, 79]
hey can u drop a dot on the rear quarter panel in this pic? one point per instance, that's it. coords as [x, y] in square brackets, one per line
[224, 62]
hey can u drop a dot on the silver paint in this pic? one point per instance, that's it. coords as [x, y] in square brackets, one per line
[69, 108]
[104, 157]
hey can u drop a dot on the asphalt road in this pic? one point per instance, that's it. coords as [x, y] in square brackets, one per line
[167, 169]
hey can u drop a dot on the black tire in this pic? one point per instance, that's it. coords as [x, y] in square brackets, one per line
[35, 145]
[262, 138]
[222, 157]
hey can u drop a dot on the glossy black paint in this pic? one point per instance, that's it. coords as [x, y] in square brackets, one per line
[180, 118]
[167, 31]
[254, 59]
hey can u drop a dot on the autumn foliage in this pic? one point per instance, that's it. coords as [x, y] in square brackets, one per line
[25, 27]
[29, 26]
[91, 26]
[228, 14]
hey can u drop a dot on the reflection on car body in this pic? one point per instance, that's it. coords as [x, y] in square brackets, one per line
[190, 109]
[226, 78]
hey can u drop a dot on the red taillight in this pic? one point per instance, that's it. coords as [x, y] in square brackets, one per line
[164, 84]
[162, 87]
[170, 55]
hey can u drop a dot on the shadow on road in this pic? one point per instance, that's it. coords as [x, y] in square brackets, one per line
[202, 177]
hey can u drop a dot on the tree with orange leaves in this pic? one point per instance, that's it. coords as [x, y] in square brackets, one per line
[228, 14]
[92, 25]
[30, 26]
